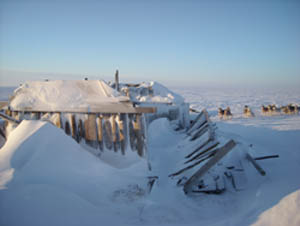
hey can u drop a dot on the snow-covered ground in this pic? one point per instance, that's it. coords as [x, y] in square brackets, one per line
[46, 178]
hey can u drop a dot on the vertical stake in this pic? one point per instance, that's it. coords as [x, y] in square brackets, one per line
[117, 80]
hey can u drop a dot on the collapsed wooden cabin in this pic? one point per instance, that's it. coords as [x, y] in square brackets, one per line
[92, 112]
[114, 118]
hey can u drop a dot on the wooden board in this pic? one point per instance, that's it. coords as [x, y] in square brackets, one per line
[118, 107]
[107, 133]
[8, 118]
[210, 163]
[91, 130]
[100, 132]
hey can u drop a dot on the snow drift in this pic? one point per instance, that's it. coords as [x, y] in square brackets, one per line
[62, 94]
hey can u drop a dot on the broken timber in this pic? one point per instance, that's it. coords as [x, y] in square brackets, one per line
[9, 118]
[210, 163]
[254, 163]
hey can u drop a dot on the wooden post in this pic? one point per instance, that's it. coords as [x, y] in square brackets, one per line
[132, 136]
[73, 127]
[107, 133]
[114, 132]
[254, 163]
[57, 120]
[138, 133]
[100, 132]
[121, 134]
[81, 133]
[90, 131]
[67, 128]
[117, 81]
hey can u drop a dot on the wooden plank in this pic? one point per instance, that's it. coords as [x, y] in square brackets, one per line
[194, 132]
[57, 120]
[100, 131]
[198, 125]
[118, 107]
[132, 136]
[138, 133]
[8, 118]
[107, 132]
[200, 132]
[73, 127]
[114, 132]
[199, 155]
[254, 163]
[91, 130]
[81, 132]
[67, 128]
[192, 165]
[195, 120]
[122, 132]
[210, 163]
[266, 157]
[198, 148]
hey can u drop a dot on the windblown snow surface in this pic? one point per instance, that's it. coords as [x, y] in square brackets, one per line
[46, 178]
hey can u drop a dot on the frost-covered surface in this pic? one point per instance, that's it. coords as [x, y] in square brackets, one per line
[60, 94]
[47, 179]
[154, 92]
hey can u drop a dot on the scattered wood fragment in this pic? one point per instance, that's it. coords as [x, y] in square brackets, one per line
[266, 157]
[151, 182]
[254, 163]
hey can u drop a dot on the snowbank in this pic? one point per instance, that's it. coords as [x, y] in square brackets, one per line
[47, 179]
[286, 212]
[61, 94]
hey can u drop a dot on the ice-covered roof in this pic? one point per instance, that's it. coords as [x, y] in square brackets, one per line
[60, 94]
[154, 92]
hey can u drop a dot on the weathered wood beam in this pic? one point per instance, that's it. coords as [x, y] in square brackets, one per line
[192, 165]
[210, 163]
[203, 152]
[8, 118]
[105, 108]
[195, 120]
[266, 157]
[254, 163]
[117, 80]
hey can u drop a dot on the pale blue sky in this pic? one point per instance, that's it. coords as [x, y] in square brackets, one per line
[177, 42]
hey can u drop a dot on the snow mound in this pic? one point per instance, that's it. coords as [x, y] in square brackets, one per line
[46, 178]
[60, 94]
[286, 212]
[154, 92]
